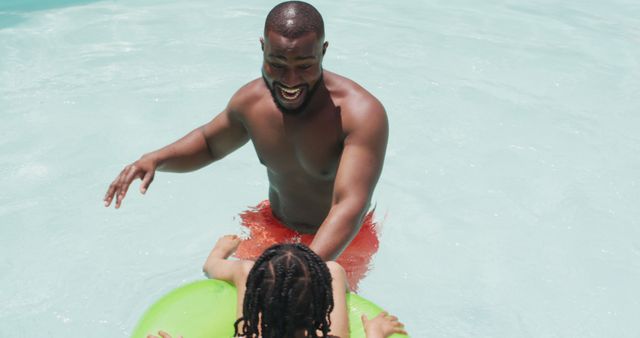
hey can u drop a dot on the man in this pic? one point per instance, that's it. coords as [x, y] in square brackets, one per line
[321, 136]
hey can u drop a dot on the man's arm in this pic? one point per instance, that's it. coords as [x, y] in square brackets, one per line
[204, 145]
[358, 172]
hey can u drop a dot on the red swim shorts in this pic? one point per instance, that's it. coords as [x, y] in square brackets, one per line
[266, 230]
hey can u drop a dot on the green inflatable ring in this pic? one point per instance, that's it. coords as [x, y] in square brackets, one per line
[207, 309]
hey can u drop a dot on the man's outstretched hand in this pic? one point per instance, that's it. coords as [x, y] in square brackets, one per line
[144, 169]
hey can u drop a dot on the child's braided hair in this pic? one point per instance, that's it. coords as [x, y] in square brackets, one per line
[288, 289]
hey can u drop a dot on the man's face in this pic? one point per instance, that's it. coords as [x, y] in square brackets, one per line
[292, 69]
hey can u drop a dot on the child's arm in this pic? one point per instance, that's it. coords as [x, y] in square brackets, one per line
[217, 266]
[339, 316]
[381, 326]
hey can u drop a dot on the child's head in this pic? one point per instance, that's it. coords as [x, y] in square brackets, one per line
[288, 289]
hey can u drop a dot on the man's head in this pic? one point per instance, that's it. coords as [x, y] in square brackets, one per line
[293, 46]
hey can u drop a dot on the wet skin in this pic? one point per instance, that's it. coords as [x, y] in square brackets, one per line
[321, 137]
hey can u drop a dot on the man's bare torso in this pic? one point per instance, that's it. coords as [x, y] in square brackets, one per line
[301, 153]
[321, 136]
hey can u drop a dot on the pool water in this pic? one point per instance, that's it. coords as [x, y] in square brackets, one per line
[509, 195]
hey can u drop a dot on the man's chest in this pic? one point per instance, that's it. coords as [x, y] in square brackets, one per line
[293, 146]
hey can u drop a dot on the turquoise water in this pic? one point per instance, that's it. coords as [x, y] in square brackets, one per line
[509, 195]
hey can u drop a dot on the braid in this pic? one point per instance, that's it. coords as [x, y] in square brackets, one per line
[321, 288]
[288, 290]
[251, 311]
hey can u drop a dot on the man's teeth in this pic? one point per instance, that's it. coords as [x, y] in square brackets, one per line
[290, 94]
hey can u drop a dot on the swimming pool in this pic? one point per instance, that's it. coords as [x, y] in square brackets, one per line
[509, 195]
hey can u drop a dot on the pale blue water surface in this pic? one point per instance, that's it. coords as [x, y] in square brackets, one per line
[510, 194]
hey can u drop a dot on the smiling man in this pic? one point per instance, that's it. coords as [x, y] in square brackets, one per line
[321, 137]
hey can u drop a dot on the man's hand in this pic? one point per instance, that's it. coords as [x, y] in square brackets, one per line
[144, 168]
[226, 246]
[382, 326]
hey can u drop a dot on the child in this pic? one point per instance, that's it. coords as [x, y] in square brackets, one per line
[289, 292]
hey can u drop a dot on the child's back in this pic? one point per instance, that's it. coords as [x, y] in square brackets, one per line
[289, 292]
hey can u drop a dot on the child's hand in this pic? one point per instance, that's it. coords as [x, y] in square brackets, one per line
[227, 245]
[162, 334]
[383, 325]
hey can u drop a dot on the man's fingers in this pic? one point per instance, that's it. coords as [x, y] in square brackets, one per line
[131, 175]
[109, 195]
[120, 190]
[120, 185]
[114, 188]
[146, 181]
[123, 183]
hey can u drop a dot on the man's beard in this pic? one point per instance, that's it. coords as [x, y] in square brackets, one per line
[295, 111]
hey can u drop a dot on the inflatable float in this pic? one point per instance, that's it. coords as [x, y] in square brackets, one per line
[207, 309]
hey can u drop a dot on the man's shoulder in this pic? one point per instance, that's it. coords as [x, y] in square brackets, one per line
[248, 95]
[351, 94]
[358, 106]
